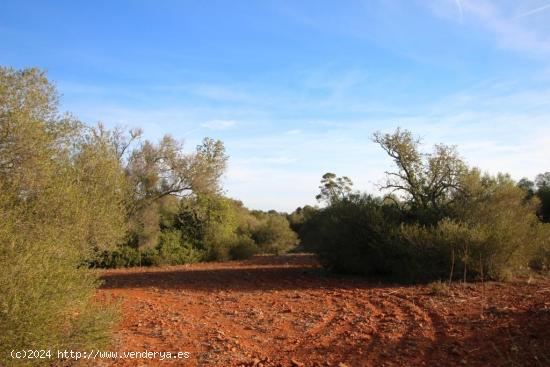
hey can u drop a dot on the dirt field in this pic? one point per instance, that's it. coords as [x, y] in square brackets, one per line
[284, 311]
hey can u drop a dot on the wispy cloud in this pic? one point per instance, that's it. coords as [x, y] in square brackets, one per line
[460, 11]
[534, 11]
[498, 18]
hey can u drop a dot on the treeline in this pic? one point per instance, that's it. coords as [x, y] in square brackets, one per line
[74, 196]
[440, 220]
[202, 227]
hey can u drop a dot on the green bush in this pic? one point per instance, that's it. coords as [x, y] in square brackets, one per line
[244, 248]
[540, 258]
[496, 236]
[448, 250]
[172, 251]
[123, 257]
[273, 234]
[209, 224]
[353, 237]
[300, 216]
[509, 231]
[60, 197]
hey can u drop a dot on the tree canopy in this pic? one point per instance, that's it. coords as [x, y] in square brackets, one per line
[427, 181]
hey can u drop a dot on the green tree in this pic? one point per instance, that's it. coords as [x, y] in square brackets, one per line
[209, 222]
[428, 182]
[527, 186]
[156, 171]
[334, 188]
[542, 182]
[61, 196]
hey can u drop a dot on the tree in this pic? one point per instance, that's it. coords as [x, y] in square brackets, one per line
[428, 181]
[334, 189]
[527, 186]
[104, 187]
[209, 223]
[61, 196]
[155, 171]
[543, 193]
[207, 167]
[543, 180]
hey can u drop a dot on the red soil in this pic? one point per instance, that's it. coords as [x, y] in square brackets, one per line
[284, 311]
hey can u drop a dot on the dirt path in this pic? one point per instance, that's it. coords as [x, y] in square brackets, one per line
[283, 311]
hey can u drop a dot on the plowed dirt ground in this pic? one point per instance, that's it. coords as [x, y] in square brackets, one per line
[285, 311]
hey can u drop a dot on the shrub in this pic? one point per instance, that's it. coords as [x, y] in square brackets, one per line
[273, 234]
[169, 251]
[508, 228]
[172, 251]
[123, 257]
[300, 216]
[244, 248]
[498, 237]
[540, 258]
[448, 250]
[61, 195]
[208, 223]
[352, 237]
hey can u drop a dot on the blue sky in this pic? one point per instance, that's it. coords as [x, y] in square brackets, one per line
[296, 88]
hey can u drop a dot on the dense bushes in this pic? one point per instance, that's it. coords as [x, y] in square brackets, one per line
[172, 250]
[350, 236]
[244, 248]
[358, 237]
[272, 233]
[204, 227]
[209, 224]
[540, 259]
[169, 251]
[472, 226]
[61, 196]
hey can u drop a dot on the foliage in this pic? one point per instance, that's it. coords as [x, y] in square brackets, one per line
[208, 222]
[351, 236]
[334, 189]
[273, 233]
[300, 216]
[498, 207]
[173, 251]
[542, 182]
[427, 181]
[451, 223]
[53, 213]
[540, 259]
[122, 257]
[204, 227]
[158, 171]
[244, 248]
